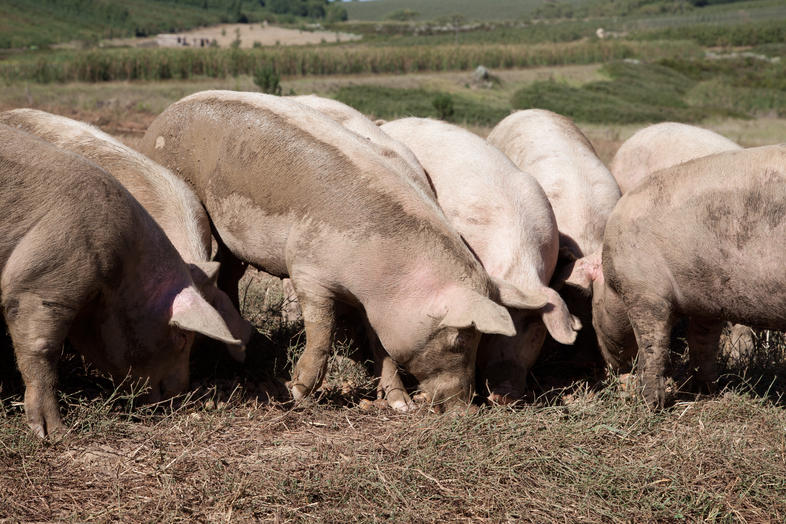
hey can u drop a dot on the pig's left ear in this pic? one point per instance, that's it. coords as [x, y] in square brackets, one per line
[204, 273]
[191, 312]
[512, 296]
[466, 308]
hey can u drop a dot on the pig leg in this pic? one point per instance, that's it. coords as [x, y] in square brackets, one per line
[390, 386]
[37, 329]
[652, 321]
[703, 339]
[232, 270]
[319, 320]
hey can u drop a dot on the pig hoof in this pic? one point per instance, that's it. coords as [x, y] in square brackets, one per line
[421, 398]
[402, 406]
[500, 399]
[298, 391]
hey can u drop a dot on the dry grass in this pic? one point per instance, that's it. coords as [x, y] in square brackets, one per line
[230, 451]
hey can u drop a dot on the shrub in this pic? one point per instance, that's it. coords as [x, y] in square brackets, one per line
[268, 80]
[443, 103]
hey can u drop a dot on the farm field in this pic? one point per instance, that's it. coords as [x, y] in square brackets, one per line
[581, 446]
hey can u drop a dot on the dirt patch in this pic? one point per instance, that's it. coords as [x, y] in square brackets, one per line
[248, 34]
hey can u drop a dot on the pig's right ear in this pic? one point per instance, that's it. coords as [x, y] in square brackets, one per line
[466, 308]
[512, 296]
[581, 273]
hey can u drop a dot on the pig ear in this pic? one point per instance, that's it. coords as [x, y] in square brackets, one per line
[204, 273]
[466, 308]
[191, 312]
[511, 296]
[582, 272]
[238, 326]
[562, 326]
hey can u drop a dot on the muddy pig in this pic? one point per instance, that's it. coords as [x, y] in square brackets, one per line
[398, 154]
[82, 259]
[705, 240]
[668, 144]
[506, 219]
[167, 198]
[295, 194]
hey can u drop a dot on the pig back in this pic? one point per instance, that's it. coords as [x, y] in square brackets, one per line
[708, 234]
[64, 204]
[290, 167]
[167, 198]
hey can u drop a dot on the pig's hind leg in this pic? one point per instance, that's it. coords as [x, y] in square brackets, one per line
[38, 328]
[703, 340]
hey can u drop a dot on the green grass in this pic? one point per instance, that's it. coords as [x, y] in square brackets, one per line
[676, 89]
[432, 9]
[391, 103]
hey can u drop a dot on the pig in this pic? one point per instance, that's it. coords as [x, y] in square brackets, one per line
[581, 190]
[81, 259]
[663, 145]
[702, 240]
[349, 117]
[505, 217]
[295, 194]
[167, 198]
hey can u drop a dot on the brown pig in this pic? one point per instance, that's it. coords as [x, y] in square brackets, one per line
[168, 199]
[706, 240]
[82, 259]
[294, 193]
[505, 217]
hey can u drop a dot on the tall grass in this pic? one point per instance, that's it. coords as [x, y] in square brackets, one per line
[162, 64]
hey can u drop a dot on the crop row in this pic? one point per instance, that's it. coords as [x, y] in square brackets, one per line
[162, 64]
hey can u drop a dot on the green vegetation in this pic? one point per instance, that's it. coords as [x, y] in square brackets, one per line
[433, 9]
[675, 89]
[162, 64]
[391, 103]
[41, 23]
[267, 80]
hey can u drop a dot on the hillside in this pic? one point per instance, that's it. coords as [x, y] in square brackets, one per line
[39, 23]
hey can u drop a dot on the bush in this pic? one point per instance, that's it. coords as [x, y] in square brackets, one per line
[268, 80]
[443, 103]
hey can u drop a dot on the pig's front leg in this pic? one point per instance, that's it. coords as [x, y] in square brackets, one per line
[319, 320]
[652, 320]
[38, 329]
[390, 386]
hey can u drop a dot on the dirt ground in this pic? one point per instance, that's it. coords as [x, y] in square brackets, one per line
[248, 34]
